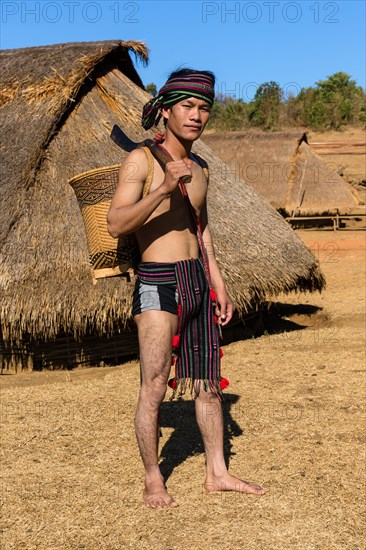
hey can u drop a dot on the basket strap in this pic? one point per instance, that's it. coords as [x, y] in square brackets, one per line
[196, 224]
[150, 171]
[203, 165]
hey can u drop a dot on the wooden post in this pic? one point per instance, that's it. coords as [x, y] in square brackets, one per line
[30, 363]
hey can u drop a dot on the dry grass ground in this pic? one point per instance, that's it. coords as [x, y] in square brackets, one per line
[295, 422]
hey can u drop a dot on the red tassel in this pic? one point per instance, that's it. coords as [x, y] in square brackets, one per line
[213, 295]
[172, 383]
[179, 310]
[224, 383]
[221, 353]
[216, 320]
[175, 341]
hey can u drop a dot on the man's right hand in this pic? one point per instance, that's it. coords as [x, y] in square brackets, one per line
[174, 171]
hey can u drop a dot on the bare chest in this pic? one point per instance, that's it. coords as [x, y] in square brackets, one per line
[175, 205]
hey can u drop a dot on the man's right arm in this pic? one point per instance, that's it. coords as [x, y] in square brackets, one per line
[128, 212]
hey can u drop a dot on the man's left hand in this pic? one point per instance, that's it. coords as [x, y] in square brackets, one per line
[224, 308]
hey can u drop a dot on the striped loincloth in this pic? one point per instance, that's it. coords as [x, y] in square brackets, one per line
[196, 345]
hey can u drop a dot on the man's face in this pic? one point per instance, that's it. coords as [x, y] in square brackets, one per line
[187, 118]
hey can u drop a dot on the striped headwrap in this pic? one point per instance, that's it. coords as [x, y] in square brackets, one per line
[176, 89]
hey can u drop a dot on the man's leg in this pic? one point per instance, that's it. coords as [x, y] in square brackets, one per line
[210, 421]
[155, 331]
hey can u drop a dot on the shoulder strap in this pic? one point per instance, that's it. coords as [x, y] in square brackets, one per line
[203, 164]
[150, 171]
[164, 156]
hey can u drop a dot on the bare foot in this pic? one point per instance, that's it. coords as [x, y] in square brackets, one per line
[156, 495]
[228, 482]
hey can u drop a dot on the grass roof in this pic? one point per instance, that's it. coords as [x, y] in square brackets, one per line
[50, 136]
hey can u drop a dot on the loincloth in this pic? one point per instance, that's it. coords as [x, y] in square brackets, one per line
[182, 288]
[155, 288]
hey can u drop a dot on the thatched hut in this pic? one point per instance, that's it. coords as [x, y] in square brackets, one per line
[58, 105]
[284, 169]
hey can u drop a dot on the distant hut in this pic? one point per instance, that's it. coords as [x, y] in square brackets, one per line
[58, 105]
[283, 168]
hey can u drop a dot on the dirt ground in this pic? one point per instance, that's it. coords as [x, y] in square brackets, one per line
[295, 422]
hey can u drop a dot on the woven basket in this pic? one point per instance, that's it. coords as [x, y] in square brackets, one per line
[94, 191]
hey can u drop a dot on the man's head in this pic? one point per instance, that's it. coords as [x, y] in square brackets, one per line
[188, 89]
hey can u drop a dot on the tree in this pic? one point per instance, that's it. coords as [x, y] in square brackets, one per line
[362, 115]
[151, 89]
[329, 104]
[334, 102]
[265, 109]
[228, 114]
[340, 95]
[311, 109]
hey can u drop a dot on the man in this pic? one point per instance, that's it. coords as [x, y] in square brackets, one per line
[172, 277]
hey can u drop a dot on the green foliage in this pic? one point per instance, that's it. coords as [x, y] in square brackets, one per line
[334, 103]
[228, 114]
[151, 89]
[329, 104]
[265, 110]
[362, 116]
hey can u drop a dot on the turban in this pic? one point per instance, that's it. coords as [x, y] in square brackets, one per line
[176, 89]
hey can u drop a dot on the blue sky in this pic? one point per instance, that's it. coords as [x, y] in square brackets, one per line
[245, 43]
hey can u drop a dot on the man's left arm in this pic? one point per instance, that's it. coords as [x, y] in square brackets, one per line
[225, 306]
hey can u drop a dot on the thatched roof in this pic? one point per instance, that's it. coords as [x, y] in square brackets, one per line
[289, 176]
[46, 281]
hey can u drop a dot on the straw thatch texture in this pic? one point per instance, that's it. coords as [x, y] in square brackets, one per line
[38, 86]
[291, 177]
[46, 279]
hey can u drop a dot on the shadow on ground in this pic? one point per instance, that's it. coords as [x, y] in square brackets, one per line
[273, 318]
[186, 440]
[281, 317]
